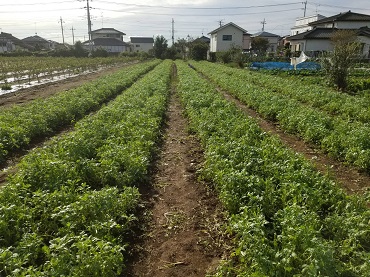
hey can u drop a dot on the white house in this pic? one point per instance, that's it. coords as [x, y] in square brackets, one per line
[107, 33]
[319, 38]
[111, 45]
[142, 44]
[302, 24]
[226, 36]
[272, 39]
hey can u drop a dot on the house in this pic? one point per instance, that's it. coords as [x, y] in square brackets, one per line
[142, 44]
[202, 39]
[9, 43]
[227, 36]
[111, 45]
[319, 38]
[107, 33]
[272, 39]
[38, 43]
[302, 24]
[108, 39]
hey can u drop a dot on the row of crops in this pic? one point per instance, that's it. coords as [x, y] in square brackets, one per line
[18, 70]
[289, 220]
[337, 123]
[70, 207]
[19, 125]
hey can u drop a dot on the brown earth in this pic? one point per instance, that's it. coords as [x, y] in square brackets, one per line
[184, 236]
[349, 177]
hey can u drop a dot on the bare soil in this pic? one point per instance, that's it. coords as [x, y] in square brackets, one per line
[184, 236]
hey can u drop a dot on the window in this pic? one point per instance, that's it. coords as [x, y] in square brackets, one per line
[137, 45]
[227, 37]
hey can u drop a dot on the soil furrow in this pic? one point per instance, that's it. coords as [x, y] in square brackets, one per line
[184, 233]
[350, 178]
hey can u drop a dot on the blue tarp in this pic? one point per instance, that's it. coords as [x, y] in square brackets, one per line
[284, 65]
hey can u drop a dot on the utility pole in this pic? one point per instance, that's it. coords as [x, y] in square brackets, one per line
[73, 35]
[305, 8]
[88, 22]
[61, 26]
[173, 32]
[263, 25]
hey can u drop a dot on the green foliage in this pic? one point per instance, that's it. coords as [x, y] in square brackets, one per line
[21, 124]
[160, 47]
[338, 123]
[70, 208]
[259, 45]
[285, 215]
[198, 51]
[339, 62]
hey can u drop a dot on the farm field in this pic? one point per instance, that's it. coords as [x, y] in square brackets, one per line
[172, 178]
[23, 72]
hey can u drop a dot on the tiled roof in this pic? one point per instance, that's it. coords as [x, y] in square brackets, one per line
[107, 31]
[35, 38]
[107, 42]
[326, 33]
[264, 34]
[347, 16]
[142, 40]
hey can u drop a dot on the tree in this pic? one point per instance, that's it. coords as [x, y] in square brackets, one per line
[198, 51]
[338, 63]
[160, 47]
[259, 45]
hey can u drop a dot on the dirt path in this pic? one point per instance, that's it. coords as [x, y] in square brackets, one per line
[349, 177]
[184, 233]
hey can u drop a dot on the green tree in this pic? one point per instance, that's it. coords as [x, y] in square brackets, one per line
[79, 50]
[160, 47]
[198, 51]
[338, 63]
[259, 45]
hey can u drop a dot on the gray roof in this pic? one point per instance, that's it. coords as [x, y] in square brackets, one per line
[142, 40]
[226, 25]
[203, 39]
[107, 42]
[264, 34]
[35, 38]
[107, 31]
[347, 16]
[326, 33]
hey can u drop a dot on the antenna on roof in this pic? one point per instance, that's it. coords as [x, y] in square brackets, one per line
[263, 25]
[220, 22]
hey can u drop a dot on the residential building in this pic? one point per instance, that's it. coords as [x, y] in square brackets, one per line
[142, 44]
[9, 43]
[38, 43]
[111, 45]
[319, 38]
[272, 39]
[302, 24]
[107, 33]
[227, 36]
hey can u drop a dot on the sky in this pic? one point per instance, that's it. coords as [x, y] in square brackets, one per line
[187, 19]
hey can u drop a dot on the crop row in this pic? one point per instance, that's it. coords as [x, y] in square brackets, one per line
[70, 207]
[32, 68]
[20, 124]
[288, 219]
[344, 139]
[354, 108]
